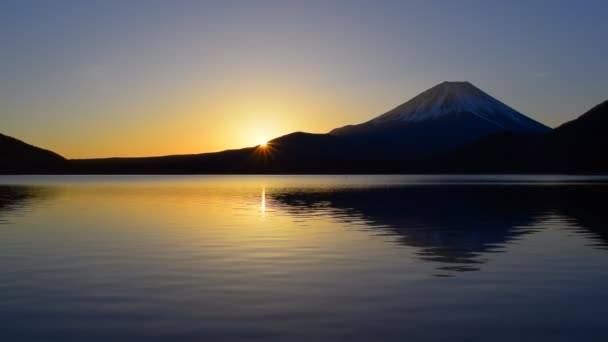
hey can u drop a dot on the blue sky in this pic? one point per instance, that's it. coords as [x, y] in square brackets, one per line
[87, 78]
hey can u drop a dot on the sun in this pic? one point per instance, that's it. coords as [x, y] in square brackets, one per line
[263, 142]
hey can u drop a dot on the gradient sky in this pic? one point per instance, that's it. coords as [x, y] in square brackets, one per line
[135, 78]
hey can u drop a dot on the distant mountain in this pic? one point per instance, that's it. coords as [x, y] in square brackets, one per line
[445, 117]
[19, 157]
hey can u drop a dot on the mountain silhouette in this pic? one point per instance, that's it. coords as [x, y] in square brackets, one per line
[577, 146]
[453, 127]
[19, 157]
[440, 119]
[297, 152]
[581, 143]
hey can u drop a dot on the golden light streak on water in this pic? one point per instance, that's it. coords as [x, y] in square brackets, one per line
[263, 207]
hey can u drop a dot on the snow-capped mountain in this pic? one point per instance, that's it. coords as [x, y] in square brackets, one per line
[448, 99]
[440, 119]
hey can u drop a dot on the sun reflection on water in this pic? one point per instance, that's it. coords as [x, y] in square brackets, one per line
[263, 206]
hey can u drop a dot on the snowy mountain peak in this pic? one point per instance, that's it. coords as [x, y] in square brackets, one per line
[449, 98]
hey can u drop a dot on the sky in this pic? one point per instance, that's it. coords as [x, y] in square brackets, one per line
[137, 78]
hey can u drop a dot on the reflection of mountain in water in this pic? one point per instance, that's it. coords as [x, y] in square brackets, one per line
[17, 198]
[456, 224]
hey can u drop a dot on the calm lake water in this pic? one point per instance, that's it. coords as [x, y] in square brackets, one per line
[309, 258]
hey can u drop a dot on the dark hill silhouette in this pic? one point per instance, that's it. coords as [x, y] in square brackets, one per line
[581, 143]
[19, 157]
[577, 146]
[293, 153]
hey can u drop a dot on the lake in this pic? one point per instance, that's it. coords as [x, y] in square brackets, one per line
[306, 258]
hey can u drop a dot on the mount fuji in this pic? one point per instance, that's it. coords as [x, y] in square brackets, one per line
[444, 117]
